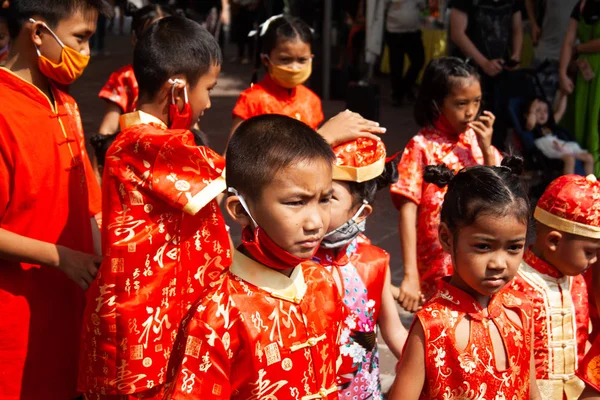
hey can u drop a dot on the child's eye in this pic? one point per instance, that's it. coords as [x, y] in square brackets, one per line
[294, 203]
[482, 246]
[515, 248]
[325, 200]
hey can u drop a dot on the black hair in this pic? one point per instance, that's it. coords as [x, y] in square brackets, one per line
[52, 11]
[366, 191]
[479, 190]
[280, 29]
[100, 143]
[263, 145]
[171, 46]
[439, 78]
[143, 17]
[551, 123]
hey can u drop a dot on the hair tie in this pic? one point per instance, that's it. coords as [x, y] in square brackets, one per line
[264, 26]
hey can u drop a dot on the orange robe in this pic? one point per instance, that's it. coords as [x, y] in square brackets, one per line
[561, 322]
[261, 335]
[433, 146]
[47, 192]
[121, 89]
[164, 240]
[267, 97]
[472, 372]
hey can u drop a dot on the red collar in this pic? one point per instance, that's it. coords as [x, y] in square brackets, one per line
[280, 92]
[327, 257]
[466, 303]
[540, 265]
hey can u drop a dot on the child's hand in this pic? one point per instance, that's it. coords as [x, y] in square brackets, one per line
[484, 129]
[347, 126]
[566, 84]
[410, 294]
[82, 268]
[492, 67]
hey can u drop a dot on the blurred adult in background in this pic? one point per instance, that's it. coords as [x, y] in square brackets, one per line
[244, 15]
[212, 14]
[548, 38]
[403, 37]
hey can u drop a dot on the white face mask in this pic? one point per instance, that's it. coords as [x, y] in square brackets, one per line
[346, 233]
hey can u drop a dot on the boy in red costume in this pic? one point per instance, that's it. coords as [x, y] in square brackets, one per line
[48, 196]
[270, 327]
[567, 240]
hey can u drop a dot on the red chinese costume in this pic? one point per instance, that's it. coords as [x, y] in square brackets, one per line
[472, 373]
[261, 335]
[122, 89]
[568, 205]
[267, 97]
[164, 241]
[47, 192]
[433, 146]
[360, 270]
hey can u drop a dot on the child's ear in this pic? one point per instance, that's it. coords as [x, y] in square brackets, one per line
[366, 212]
[552, 240]
[36, 30]
[265, 60]
[236, 211]
[445, 238]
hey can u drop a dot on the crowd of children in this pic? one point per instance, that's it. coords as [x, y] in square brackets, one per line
[158, 305]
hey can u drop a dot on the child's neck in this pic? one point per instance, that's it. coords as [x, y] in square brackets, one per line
[26, 70]
[160, 111]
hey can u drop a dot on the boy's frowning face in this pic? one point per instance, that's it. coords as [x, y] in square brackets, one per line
[199, 95]
[294, 207]
[75, 32]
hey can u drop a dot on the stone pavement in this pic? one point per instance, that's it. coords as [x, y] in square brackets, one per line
[216, 123]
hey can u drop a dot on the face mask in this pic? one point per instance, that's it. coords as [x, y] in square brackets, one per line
[179, 119]
[290, 78]
[71, 66]
[346, 233]
[262, 248]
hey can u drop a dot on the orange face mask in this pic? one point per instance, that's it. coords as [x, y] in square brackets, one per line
[71, 66]
[290, 78]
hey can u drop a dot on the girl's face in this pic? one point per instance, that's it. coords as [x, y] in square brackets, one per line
[461, 105]
[293, 54]
[485, 254]
[541, 113]
[343, 206]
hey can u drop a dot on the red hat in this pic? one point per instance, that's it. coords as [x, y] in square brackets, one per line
[360, 160]
[571, 204]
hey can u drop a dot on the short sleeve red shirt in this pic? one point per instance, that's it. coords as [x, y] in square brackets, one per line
[164, 241]
[433, 146]
[48, 192]
[267, 97]
[121, 89]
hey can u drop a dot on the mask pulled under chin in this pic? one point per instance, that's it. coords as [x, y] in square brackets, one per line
[345, 233]
[262, 248]
[69, 69]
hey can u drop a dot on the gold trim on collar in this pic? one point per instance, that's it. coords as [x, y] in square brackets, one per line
[564, 225]
[275, 283]
[358, 174]
[137, 118]
[202, 198]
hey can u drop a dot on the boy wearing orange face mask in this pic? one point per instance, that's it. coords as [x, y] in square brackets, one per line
[48, 196]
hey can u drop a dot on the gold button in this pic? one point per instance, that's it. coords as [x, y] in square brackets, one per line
[312, 341]
[323, 393]
[564, 345]
[563, 313]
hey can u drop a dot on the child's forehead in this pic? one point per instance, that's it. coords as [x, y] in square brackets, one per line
[292, 45]
[460, 86]
[302, 175]
[79, 16]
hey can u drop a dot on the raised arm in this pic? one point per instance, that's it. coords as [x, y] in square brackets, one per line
[566, 54]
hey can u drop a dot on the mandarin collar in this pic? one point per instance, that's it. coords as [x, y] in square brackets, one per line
[466, 303]
[275, 283]
[18, 84]
[138, 118]
[540, 265]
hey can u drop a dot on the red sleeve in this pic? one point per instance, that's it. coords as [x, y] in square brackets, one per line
[410, 170]
[115, 90]
[244, 108]
[180, 173]
[5, 168]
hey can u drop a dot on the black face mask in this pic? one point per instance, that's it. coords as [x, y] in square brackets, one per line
[591, 12]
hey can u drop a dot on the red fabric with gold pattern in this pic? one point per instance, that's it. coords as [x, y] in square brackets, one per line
[267, 97]
[48, 192]
[433, 146]
[122, 89]
[571, 203]
[359, 160]
[164, 241]
[589, 370]
[361, 269]
[472, 373]
[260, 335]
[594, 317]
[560, 311]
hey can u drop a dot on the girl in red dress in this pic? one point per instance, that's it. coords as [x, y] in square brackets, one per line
[285, 51]
[473, 339]
[454, 134]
